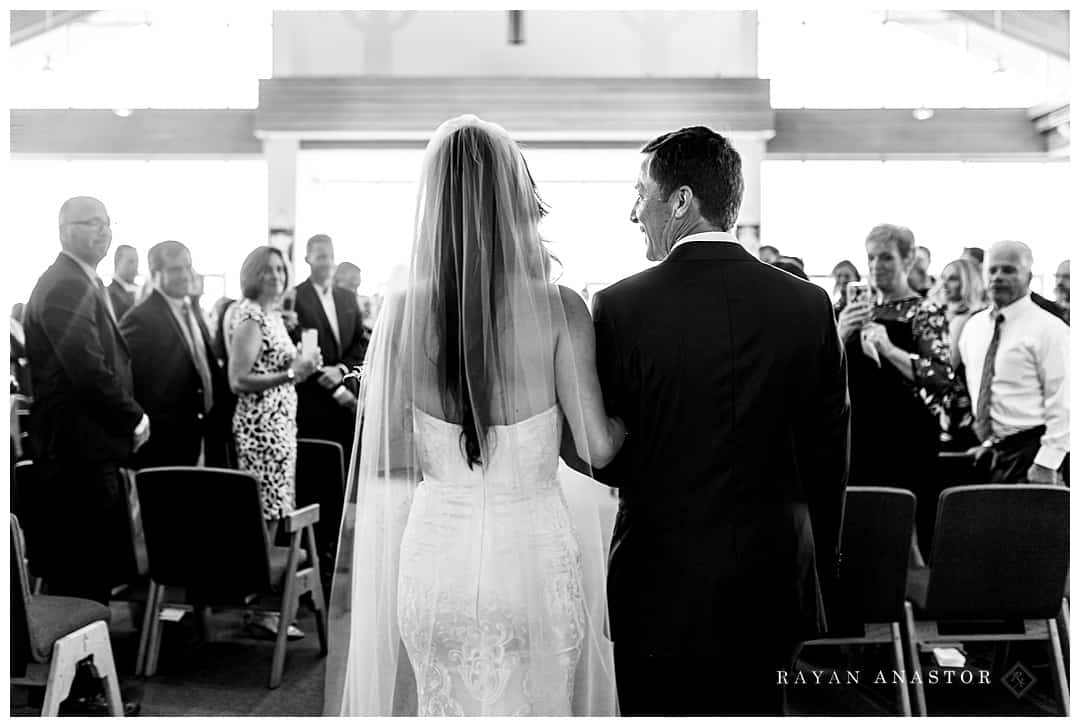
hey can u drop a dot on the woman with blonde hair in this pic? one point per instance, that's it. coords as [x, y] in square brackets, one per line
[961, 291]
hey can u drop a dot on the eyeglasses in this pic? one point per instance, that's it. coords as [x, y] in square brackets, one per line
[95, 223]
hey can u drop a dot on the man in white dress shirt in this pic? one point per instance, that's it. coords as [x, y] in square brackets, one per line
[1017, 360]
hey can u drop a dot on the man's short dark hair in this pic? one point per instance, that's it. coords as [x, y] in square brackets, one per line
[155, 259]
[764, 248]
[120, 250]
[315, 240]
[975, 253]
[704, 161]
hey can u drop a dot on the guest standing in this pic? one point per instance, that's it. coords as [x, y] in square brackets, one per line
[960, 291]
[843, 273]
[263, 370]
[123, 292]
[85, 420]
[896, 400]
[1016, 356]
[177, 377]
[326, 408]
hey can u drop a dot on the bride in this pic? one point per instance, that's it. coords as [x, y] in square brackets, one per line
[470, 579]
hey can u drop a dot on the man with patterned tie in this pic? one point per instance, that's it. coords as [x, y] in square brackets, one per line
[177, 377]
[1017, 360]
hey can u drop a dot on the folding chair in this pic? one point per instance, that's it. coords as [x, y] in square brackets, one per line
[1001, 554]
[205, 532]
[875, 541]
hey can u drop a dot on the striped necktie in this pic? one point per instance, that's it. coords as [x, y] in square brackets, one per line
[983, 428]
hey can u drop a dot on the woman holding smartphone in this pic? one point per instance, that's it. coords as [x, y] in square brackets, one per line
[899, 373]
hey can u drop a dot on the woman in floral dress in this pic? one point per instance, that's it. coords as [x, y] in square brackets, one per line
[263, 370]
[899, 374]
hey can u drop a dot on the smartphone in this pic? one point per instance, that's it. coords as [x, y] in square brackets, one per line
[309, 341]
[858, 291]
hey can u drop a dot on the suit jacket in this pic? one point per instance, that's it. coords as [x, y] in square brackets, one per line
[83, 409]
[168, 386]
[1050, 307]
[122, 301]
[732, 382]
[318, 415]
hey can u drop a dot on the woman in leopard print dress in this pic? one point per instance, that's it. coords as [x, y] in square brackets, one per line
[263, 370]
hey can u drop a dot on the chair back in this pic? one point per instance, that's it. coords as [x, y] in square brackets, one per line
[27, 503]
[1000, 552]
[204, 530]
[875, 542]
[21, 648]
[320, 480]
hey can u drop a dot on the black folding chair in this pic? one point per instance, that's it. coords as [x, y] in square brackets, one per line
[869, 605]
[205, 532]
[998, 572]
[320, 480]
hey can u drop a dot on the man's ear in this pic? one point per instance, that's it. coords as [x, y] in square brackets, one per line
[684, 200]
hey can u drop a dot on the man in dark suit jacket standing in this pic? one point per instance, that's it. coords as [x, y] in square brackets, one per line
[122, 290]
[177, 377]
[85, 422]
[731, 379]
[326, 409]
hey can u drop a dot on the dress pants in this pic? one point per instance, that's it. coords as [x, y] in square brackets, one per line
[1012, 457]
[85, 529]
[736, 677]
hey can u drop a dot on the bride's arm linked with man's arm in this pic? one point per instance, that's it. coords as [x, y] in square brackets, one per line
[591, 438]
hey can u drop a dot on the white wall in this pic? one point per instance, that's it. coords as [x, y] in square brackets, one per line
[475, 43]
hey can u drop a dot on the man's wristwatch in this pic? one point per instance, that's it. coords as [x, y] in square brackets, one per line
[290, 374]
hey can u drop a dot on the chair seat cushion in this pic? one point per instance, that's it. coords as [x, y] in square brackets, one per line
[917, 583]
[54, 617]
[279, 562]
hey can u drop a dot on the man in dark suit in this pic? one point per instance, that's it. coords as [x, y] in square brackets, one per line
[731, 379]
[85, 422]
[177, 377]
[122, 290]
[326, 409]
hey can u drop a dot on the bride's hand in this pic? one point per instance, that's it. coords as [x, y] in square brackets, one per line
[618, 433]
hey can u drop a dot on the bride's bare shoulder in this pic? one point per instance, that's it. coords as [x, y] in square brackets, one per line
[570, 301]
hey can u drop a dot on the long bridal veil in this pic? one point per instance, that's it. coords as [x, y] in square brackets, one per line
[468, 336]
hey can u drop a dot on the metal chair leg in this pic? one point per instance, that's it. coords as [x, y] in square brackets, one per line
[913, 652]
[1058, 666]
[902, 694]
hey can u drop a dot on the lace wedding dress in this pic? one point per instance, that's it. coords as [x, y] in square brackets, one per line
[490, 598]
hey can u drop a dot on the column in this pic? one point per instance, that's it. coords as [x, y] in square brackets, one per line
[281, 157]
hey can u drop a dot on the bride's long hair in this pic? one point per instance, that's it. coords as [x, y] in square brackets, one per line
[483, 223]
[467, 335]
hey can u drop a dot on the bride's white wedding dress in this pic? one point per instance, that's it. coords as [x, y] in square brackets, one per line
[491, 602]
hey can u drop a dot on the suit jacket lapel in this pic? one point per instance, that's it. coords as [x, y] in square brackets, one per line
[100, 293]
[162, 309]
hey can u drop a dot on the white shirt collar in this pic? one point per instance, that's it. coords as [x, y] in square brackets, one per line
[129, 287]
[323, 289]
[1017, 306]
[711, 236]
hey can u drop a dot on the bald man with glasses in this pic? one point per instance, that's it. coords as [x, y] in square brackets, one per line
[85, 422]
